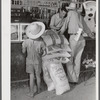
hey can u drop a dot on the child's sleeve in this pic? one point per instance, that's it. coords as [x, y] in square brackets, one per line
[24, 47]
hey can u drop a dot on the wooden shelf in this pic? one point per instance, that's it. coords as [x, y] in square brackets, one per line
[20, 6]
[46, 20]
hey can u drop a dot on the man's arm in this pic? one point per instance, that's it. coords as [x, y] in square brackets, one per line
[55, 28]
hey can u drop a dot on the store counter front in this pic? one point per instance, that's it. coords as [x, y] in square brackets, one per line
[18, 71]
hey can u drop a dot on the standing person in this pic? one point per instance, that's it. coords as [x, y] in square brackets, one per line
[73, 22]
[34, 46]
[58, 19]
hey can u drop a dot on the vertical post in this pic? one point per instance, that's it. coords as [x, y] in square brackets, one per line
[77, 2]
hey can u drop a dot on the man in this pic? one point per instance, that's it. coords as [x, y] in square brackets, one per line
[58, 19]
[74, 22]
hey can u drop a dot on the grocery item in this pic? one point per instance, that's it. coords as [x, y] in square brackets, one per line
[58, 76]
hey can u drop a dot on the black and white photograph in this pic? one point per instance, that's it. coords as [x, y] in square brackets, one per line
[55, 56]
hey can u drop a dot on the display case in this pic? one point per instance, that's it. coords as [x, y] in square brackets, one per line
[23, 35]
[15, 36]
[18, 32]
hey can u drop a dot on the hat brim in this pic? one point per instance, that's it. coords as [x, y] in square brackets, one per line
[37, 35]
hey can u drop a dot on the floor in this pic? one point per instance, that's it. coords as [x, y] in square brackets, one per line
[82, 91]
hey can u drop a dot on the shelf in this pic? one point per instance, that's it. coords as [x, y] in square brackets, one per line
[20, 6]
[41, 19]
[16, 41]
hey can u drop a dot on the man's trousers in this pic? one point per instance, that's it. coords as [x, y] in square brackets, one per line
[73, 67]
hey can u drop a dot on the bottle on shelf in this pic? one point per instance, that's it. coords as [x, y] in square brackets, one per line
[20, 2]
[17, 2]
[45, 13]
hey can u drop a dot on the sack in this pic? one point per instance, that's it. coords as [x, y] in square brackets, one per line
[56, 55]
[47, 78]
[52, 38]
[64, 60]
[56, 48]
[58, 76]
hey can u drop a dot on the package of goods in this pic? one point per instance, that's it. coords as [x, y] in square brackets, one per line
[56, 48]
[55, 55]
[47, 78]
[52, 38]
[64, 60]
[53, 48]
[58, 76]
[66, 48]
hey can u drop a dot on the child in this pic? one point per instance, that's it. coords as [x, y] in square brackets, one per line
[34, 46]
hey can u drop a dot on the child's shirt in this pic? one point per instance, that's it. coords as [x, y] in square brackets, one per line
[33, 49]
